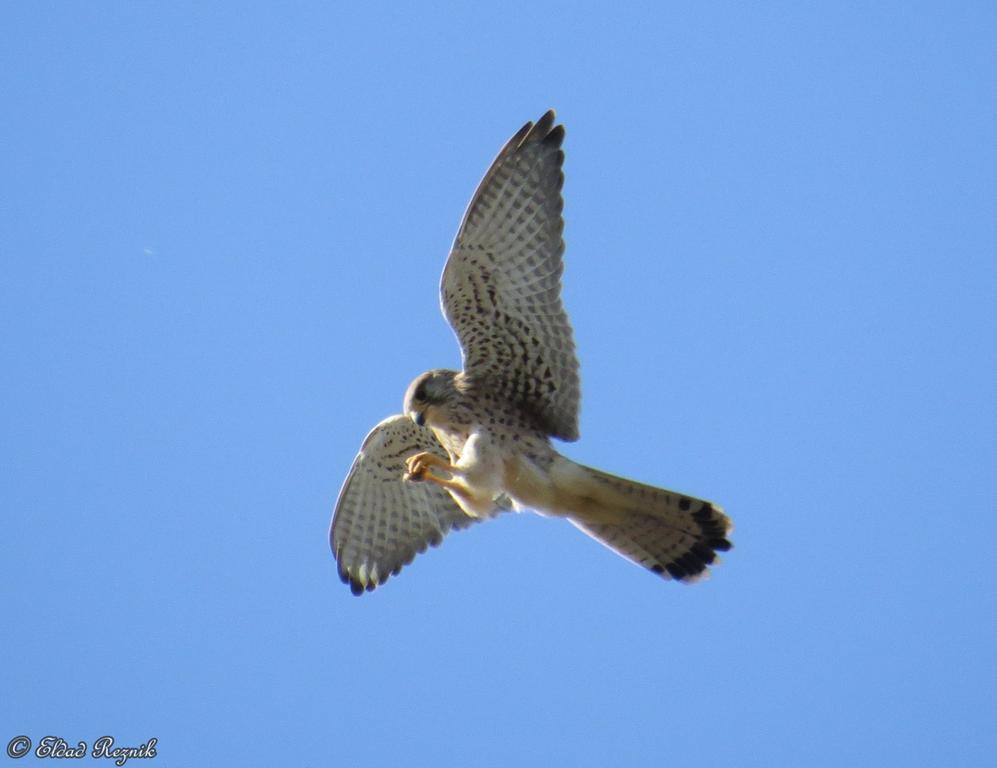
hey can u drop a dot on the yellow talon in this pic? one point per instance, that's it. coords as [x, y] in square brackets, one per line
[417, 467]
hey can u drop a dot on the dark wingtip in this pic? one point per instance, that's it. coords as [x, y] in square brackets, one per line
[545, 123]
[555, 138]
[356, 586]
[518, 137]
[545, 131]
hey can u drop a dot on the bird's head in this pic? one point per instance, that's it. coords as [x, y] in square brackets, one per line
[429, 391]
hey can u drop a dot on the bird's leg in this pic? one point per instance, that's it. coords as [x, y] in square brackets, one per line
[418, 469]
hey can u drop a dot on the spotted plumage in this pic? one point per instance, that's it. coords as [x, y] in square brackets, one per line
[475, 442]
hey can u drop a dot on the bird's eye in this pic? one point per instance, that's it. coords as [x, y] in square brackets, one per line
[420, 393]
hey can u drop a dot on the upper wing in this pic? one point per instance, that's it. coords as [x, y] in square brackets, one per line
[501, 288]
[381, 521]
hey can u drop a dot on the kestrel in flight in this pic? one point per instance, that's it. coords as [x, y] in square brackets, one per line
[475, 442]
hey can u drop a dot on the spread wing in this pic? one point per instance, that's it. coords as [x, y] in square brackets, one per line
[501, 288]
[381, 521]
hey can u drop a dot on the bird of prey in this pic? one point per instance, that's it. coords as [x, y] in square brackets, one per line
[475, 442]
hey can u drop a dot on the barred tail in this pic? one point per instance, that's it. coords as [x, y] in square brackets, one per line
[669, 533]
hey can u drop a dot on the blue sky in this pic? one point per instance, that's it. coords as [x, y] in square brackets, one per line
[222, 231]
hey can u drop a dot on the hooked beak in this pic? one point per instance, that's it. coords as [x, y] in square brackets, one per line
[419, 418]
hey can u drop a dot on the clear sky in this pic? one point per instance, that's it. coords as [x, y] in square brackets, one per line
[222, 228]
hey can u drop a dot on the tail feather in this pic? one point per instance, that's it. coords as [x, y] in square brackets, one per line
[672, 534]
